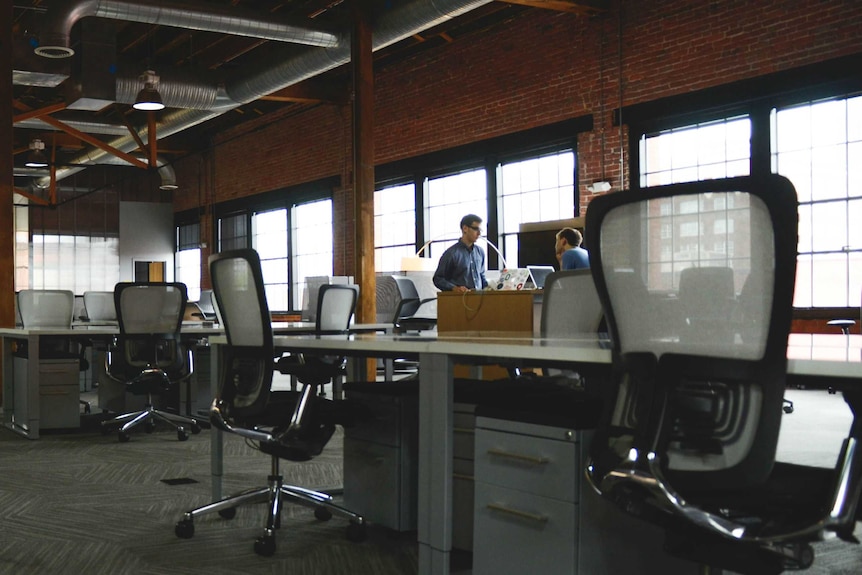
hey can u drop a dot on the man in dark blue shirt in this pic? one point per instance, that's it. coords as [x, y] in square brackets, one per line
[462, 265]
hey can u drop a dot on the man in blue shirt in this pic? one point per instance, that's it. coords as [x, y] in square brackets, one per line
[569, 251]
[462, 265]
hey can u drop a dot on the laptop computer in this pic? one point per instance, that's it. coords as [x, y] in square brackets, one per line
[539, 273]
[513, 279]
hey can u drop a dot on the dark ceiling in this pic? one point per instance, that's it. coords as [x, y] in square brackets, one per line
[77, 95]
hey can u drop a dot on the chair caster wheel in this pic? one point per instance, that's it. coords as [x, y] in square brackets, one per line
[228, 513]
[356, 532]
[182, 434]
[196, 428]
[265, 546]
[184, 529]
[123, 437]
[322, 514]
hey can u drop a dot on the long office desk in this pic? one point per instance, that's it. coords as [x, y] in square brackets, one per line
[21, 405]
[835, 360]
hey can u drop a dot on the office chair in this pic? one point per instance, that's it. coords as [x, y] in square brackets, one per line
[405, 318]
[689, 432]
[206, 306]
[46, 307]
[100, 307]
[148, 356]
[335, 306]
[285, 425]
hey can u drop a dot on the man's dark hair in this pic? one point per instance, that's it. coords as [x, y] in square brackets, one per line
[469, 220]
[571, 235]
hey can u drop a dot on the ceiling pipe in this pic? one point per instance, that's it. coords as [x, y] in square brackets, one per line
[54, 41]
[290, 68]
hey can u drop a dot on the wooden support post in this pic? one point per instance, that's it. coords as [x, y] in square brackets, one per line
[7, 211]
[363, 167]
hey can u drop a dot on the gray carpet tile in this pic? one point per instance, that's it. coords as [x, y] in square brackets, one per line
[84, 503]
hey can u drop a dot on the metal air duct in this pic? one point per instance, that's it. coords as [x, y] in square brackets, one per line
[244, 87]
[55, 39]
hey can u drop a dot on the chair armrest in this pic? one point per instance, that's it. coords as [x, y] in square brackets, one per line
[217, 419]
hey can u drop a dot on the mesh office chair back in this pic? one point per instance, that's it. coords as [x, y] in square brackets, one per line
[100, 306]
[335, 306]
[700, 413]
[570, 304]
[248, 358]
[46, 308]
[407, 313]
[150, 307]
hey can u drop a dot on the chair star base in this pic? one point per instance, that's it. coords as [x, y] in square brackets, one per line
[275, 493]
[148, 416]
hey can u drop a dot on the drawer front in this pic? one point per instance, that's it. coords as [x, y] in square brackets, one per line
[58, 407]
[545, 467]
[380, 483]
[516, 533]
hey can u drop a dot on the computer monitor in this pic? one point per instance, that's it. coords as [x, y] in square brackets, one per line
[539, 273]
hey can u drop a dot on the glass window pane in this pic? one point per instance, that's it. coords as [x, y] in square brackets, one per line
[533, 190]
[394, 226]
[833, 292]
[697, 152]
[312, 244]
[812, 146]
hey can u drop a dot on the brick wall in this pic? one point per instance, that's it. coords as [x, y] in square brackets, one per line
[539, 68]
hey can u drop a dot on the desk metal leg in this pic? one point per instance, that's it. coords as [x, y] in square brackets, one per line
[216, 435]
[435, 463]
[21, 394]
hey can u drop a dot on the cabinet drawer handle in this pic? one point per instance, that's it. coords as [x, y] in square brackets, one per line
[462, 476]
[518, 513]
[519, 457]
[463, 430]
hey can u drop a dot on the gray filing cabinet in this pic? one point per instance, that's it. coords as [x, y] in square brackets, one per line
[58, 391]
[534, 513]
[526, 498]
[381, 467]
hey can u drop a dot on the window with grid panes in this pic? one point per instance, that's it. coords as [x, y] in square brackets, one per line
[394, 226]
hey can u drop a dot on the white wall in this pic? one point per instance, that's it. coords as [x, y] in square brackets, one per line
[146, 234]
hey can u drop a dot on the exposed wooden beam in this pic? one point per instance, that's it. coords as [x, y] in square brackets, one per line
[95, 142]
[32, 197]
[7, 212]
[312, 91]
[582, 7]
[31, 113]
[133, 133]
[84, 137]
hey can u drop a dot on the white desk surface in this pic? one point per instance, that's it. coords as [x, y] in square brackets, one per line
[832, 355]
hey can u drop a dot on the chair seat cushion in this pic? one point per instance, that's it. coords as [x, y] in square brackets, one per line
[793, 495]
[312, 370]
[318, 424]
